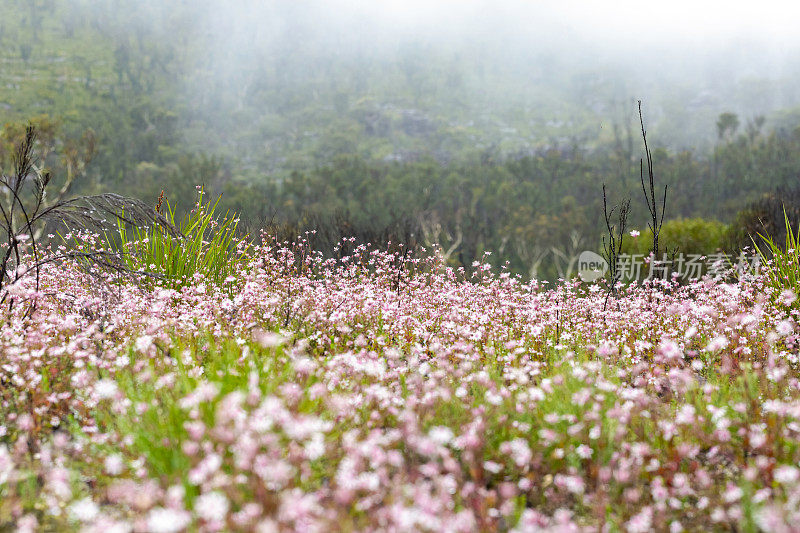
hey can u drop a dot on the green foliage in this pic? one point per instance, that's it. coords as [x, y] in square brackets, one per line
[163, 422]
[727, 124]
[781, 263]
[486, 157]
[768, 216]
[209, 247]
[686, 235]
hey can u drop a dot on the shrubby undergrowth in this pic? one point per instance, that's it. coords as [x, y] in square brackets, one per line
[370, 392]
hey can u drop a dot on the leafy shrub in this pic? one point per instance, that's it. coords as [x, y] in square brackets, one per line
[687, 235]
[766, 216]
[209, 245]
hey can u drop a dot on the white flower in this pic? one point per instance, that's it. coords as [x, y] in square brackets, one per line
[635, 233]
[732, 494]
[519, 450]
[584, 451]
[315, 447]
[83, 510]
[212, 506]
[786, 474]
[641, 522]
[493, 398]
[6, 464]
[492, 467]
[267, 526]
[685, 415]
[788, 297]
[440, 434]
[143, 343]
[424, 368]
[717, 343]
[268, 339]
[162, 520]
[574, 484]
[114, 464]
[105, 389]
[784, 328]
[670, 350]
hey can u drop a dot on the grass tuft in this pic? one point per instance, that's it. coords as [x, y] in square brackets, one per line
[209, 246]
[781, 264]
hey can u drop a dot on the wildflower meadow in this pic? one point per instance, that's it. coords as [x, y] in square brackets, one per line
[376, 391]
[399, 266]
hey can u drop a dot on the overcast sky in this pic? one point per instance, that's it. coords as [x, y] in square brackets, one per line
[611, 21]
[760, 37]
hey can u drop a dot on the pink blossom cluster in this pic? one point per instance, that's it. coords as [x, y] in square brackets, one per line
[377, 392]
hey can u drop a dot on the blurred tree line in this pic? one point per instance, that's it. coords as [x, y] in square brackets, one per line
[361, 148]
[536, 212]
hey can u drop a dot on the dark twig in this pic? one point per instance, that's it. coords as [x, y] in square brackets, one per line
[657, 219]
[23, 216]
[612, 248]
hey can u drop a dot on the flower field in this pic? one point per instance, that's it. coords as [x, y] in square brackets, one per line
[374, 392]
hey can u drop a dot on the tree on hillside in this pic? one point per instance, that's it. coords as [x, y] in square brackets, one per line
[727, 124]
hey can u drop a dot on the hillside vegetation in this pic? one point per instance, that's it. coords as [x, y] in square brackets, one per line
[473, 149]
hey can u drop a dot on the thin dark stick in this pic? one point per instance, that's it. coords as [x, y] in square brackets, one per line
[613, 248]
[87, 213]
[657, 219]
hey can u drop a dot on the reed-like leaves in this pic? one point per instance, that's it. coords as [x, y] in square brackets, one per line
[207, 246]
[781, 264]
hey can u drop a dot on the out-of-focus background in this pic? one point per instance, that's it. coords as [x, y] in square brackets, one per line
[478, 126]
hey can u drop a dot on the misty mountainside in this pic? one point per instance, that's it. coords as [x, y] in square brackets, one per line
[492, 131]
[290, 85]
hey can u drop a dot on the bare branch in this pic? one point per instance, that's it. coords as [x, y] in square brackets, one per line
[657, 219]
[95, 214]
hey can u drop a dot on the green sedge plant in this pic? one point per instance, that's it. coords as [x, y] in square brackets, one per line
[208, 245]
[781, 264]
